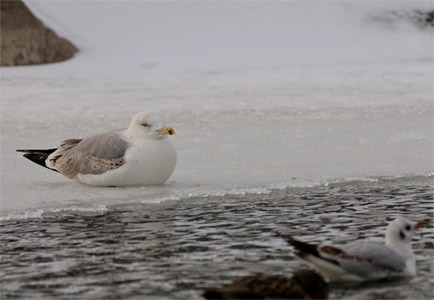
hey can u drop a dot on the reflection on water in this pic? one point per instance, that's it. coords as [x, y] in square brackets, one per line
[172, 249]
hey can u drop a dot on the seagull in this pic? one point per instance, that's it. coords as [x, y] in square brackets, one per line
[304, 284]
[139, 155]
[363, 261]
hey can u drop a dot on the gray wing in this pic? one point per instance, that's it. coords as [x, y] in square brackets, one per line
[377, 254]
[366, 259]
[93, 155]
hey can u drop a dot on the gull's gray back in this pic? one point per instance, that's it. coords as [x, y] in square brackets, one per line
[93, 155]
[374, 259]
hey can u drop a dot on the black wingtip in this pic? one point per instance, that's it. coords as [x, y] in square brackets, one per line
[38, 156]
[39, 151]
[301, 247]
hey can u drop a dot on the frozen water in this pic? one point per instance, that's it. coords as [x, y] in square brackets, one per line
[288, 101]
[234, 131]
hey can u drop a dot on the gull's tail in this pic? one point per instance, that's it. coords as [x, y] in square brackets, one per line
[321, 258]
[38, 156]
[302, 248]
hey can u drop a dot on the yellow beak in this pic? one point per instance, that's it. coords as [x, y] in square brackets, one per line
[166, 130]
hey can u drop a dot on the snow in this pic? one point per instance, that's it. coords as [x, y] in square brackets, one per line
[134, 37]
[261, 94]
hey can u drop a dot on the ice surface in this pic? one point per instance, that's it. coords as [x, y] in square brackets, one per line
[261, 95]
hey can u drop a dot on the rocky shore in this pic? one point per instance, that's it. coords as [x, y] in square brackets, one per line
[26, 41]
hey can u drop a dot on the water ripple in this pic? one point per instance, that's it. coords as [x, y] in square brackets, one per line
[172, 249]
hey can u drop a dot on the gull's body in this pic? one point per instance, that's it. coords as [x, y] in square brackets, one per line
[138, 155]
[363, 261]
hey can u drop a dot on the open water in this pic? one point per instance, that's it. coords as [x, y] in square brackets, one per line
[171, 250]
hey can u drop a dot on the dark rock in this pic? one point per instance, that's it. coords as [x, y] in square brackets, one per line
[26, 41]
[305, 284]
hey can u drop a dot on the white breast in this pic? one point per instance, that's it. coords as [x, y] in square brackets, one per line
[147, 162]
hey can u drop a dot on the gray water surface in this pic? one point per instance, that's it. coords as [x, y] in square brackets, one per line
[171, 250]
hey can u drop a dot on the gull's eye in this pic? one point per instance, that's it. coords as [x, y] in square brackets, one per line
[145, 124]
[407, 227]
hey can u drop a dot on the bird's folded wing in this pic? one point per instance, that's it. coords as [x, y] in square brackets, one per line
[365, 259]
[93, 155]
